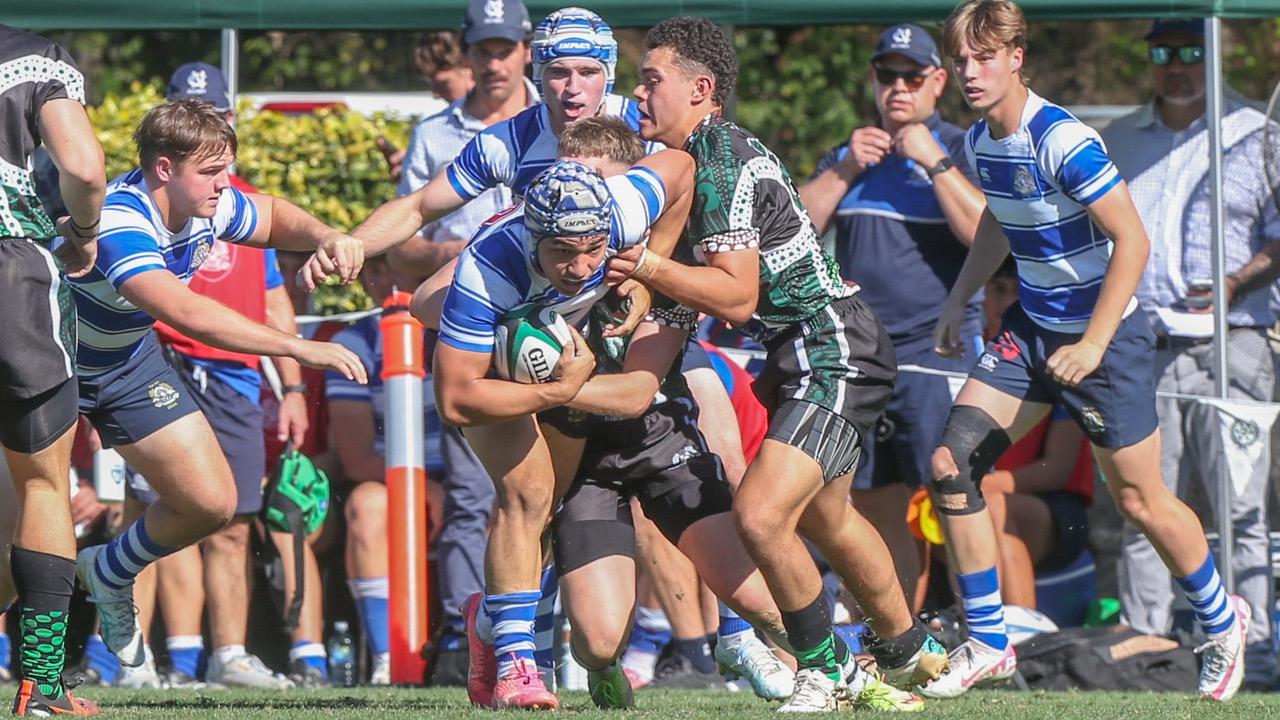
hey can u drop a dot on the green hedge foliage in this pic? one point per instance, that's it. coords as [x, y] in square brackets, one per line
[327, 162]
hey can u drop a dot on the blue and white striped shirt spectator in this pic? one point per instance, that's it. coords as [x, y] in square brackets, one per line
[435, 142]
[1038, 182]
[1168, 176]
[364, 338]
[133, 239]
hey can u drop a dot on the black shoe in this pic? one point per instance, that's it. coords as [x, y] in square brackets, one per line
[31, 703]
[307, 676]
[449, 668]
[677, 672]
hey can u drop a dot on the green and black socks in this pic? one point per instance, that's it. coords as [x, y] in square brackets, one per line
[810, 633]
[44, 583]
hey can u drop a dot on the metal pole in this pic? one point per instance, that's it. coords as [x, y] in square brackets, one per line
[231, 61]
[402, 375]
[1213, 108]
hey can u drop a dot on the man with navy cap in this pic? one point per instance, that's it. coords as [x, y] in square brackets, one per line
[1161, 149]
[201, 81]
[904, 210]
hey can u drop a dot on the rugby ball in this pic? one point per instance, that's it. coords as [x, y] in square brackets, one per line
[527, 344]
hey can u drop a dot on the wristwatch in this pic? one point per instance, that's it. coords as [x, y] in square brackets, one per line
[300, 389]
[943, 165]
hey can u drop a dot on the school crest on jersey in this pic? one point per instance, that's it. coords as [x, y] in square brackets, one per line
[1024, 185]
[200, 253]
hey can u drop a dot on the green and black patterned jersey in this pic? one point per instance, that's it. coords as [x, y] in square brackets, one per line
[33, 71]
[744, 198]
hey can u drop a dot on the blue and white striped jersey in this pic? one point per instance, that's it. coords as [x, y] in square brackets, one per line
[364, 338]
[514, 151]
[134, 240]
[1038, 182]
[495, 273]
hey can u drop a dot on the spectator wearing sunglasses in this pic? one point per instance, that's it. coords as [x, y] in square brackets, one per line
[1162, 151]
[904, 210]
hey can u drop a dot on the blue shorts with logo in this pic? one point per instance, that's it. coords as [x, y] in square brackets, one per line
[1115, 405]
[911, 427]
[128, 403]
[237, 424]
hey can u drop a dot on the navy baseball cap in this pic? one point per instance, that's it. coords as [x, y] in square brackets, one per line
[910, 41]
[502, 19]
[1190, 26]
[201, 81]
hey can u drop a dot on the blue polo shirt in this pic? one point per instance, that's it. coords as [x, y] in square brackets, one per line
[893, 239]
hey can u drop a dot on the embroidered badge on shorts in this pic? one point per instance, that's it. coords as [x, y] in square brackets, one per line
[1092, 420]
[163, 395]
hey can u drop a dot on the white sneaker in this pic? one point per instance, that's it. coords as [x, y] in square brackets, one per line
[143, 677]
[754, 661]
[972, 663]
[117, 615]
[869, 690]
[381, 673]
[815, 692]
[245, 671]
[639, 667]
[1222, 668]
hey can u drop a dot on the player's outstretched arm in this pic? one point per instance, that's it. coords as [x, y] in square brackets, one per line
[465, 397]
[727, 287]
[630, 393]
[162, 296]
[285, 226]
[397, 220]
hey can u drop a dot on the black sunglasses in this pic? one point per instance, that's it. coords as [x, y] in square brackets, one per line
[913, 79]
[1188, 54]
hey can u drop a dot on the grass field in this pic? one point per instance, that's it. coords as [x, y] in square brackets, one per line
[655, 705]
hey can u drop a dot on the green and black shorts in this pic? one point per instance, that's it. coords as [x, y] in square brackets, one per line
[37, 347]
[826, 381]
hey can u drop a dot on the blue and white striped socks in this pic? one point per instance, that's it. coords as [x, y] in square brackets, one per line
[545, 628]
[511, 615]
[187, 654]
[1209, 598]
[983, 608]
[371, 603]
[127, 555]
[312, 653]
[733, 630]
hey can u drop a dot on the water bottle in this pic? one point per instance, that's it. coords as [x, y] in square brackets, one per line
[342, 662]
